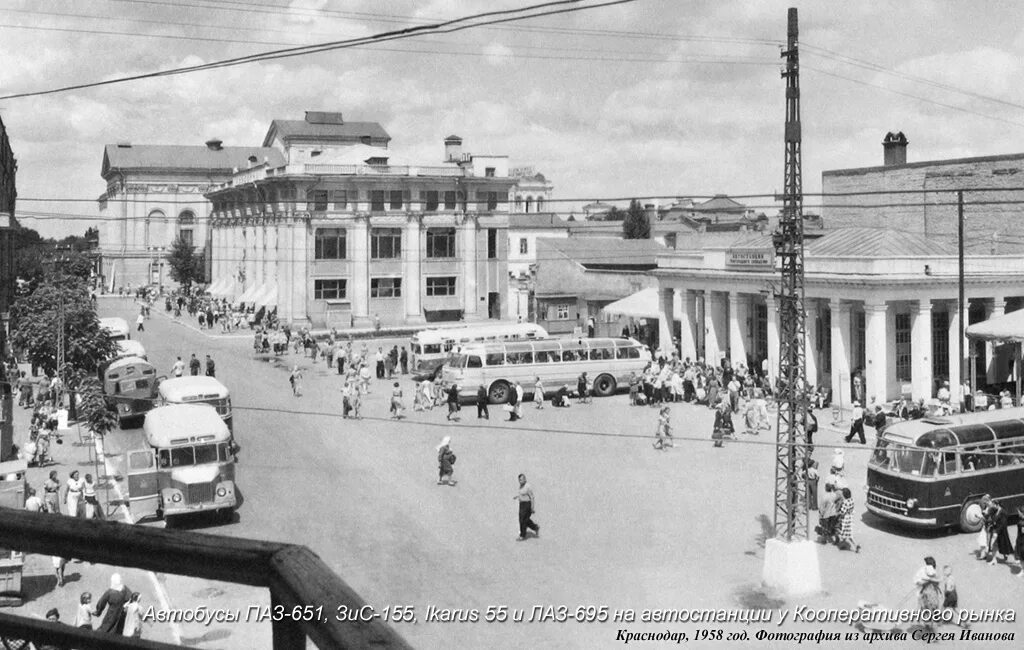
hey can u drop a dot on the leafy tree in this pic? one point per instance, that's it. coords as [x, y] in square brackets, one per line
[93, 409]
[614, 214]
[36, 317]
[187, 267]
[636, 225]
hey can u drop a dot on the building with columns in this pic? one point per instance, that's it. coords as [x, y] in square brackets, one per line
[340, 233]
[881, 305]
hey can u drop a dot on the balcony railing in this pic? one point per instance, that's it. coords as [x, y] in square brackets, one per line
[295, 576]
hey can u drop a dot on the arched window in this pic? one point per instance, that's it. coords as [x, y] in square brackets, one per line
[529, 202]
[186, 222]
[154, 220]
[540, 204]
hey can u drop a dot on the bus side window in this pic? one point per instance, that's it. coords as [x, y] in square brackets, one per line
[165, 458]
[986, 457]
[473, 361]
[569, 355]
[496, 359]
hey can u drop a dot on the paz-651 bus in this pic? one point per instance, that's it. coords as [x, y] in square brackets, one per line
[129, 386]
[430, 348]
[933, 472]
[197, 389]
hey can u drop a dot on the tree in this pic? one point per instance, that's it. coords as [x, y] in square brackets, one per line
[186, 266]
[636, 224]
[36, 317]
[93, 409]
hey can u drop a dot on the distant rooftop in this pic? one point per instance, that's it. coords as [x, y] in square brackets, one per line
[322, 125]
[190, 157]
[608, 253]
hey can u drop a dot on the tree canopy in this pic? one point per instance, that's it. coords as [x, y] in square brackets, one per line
[636, 224]
[187, 267]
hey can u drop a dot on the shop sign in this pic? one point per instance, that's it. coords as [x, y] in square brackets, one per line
[750, 258]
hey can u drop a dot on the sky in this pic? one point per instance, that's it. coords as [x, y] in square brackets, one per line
[650, 98]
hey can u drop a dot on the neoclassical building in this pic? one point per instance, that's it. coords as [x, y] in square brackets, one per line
[335, 231]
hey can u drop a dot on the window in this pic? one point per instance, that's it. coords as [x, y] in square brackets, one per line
[430, 200]
[377, 200]
[386, 243]
[288, 194]
[185, 222]
[440, 242]
[631, 352]
[319, 200]
[441, 286]
[396, 199]
[496, 359]
[386, 287]
[333, 289]
[940, 344]
[492, 200]
[492, 243]
[904, 360]
[340, 199]
[329, 244]
[186, 235]
[489, 172]
[524, 246]
[449, 200]
[559, 311]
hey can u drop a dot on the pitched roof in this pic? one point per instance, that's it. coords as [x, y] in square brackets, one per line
[605, 252]
[173, 156]
[874, 242]
[537, 220]
[346, 132]
[720, 203]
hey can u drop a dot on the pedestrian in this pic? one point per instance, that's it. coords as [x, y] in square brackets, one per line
[482, 400]
[73, 493]
[133, 616]
[826, 528]
[140, 323]
[856, 424]
[33, 503]
[178, 369]
[194, 365]
[380, 363]
[663, 431]
[58, 568]
[813, 476]
[950, 598]
[111, 606]
[51, 493]
[295, 379]
[538, 392]
[346, 398]
[376, 322]
[357, 403]
[723, 422]
[396, 402]
[445, 462]
[453, 403]
[403, 359]
[364, 377]
[1018, 548]
[846, 540]
[561, 397]
[996, 521]
[339, 360]
[527, 508]
[83, 618]
[591, 327]
[581, 388]
[92, 504]
[929, 591]
[389, 367]
[211, 367]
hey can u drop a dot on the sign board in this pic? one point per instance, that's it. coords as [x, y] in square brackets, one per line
[750, 258]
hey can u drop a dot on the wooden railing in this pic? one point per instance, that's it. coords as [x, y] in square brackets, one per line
[295, 576]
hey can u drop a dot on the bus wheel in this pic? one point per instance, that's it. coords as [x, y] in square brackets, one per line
[604, 385]
[499, 392]
[971, 517]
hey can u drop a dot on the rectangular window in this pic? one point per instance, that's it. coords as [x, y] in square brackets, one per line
[340, 199]
[449, 200]
[559, 311]
[430, 200]
[333, 289]
[186, 236]
[377, 200]
[492, 243]
[904, 360]
[492, 200]
[441, 286]
[940, 344]
[489, 172]
[524, 246]
[386, 287]
[440, 242]
[386, 243]
[319, 200]
[329, 244]
[396, 199]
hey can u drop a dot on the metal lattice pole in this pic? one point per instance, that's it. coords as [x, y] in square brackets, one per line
[790, 452]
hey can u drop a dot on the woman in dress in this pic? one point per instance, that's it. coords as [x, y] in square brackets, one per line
[712, 390]
[396, 402]
[92, 504]
[929, 588]
[538, 392]
[73, 493]
[846, 540]
[113, 601]
[445, 462]
[295, 379]
[51, 493]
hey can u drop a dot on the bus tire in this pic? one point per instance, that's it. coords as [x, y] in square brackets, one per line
[972, 519]
[499, 392]
[604, 385]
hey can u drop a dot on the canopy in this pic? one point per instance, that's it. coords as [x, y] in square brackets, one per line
[215, 288]
[642, 304]
[1008, 327]
[268, 297]
[248, 294]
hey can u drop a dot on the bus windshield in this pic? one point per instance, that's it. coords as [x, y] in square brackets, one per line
[898, 458]
[197, 455]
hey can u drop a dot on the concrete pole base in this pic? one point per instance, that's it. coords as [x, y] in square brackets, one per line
[792, 567]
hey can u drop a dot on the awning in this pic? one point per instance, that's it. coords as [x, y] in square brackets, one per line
[248, 294]
[268, 297]
[1008, 327]
[214, 289]
[642, 304]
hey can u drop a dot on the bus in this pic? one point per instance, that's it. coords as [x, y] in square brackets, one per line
[116, 328]
[129, 348]
[197, 389]
[186, 466]
[430, 348]
[608, 363]
[129, 386]
[932, 473]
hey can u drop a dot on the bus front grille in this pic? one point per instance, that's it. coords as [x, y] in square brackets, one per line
[201, 493]
[887, 503]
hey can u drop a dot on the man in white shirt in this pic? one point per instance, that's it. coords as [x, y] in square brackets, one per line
[856, 424]
[178, 369]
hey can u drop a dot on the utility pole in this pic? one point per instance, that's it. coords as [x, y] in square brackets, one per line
[791, 561]
[961, 304]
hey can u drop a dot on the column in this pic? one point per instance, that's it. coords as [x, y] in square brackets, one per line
[260, 242]
[811, 342]
[712, 345]
[840, 319]
[271, 254]
[773, 337]
[359, 284]
[300, 268]
[687, 338]
[471, 301]
[666, 318]
[876, 344]
[921, 350]
[412, 281]
[284, 287]
[955, 360]
[992, 370]
[249, 232]
[737, 320]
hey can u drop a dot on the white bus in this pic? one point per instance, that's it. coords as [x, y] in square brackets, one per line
[129, 348]
[197, 389]
[430, 348]
[608, 363]
[116, 328]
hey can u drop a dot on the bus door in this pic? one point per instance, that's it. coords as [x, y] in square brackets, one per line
[143, 483]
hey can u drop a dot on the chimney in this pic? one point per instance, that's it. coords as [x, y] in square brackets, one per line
[214, 144]
[895, 147]
[453, 149]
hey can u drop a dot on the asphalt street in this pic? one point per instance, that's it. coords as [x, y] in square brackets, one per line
[623, 526]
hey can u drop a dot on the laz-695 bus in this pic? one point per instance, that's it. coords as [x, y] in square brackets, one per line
[933, 472]
[497, 366]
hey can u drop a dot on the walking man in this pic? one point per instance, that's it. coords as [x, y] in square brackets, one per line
[380, 363]
[211, 368]
[193, 365]
[481, 403]
[140, 322]
[526, 509]
[856, 424]
[178, 369]
[403, 358]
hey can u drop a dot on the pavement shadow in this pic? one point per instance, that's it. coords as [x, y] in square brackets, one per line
[893, 528]
[767, 530]
[205, 637]
[757, 597]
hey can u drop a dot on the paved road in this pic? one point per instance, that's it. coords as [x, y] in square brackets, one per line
[623, 526]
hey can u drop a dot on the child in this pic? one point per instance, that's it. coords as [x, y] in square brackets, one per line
[538, 393]
[132, 617]
[663, 432]
[950, 599]
[396, 402]
[357, 402]
[84, 616]
[295, 379]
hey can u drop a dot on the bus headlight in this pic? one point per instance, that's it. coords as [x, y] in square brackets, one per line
[176, 497]
[911, 503]
[221, 492]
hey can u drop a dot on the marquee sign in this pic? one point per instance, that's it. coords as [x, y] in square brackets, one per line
[750, 258]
